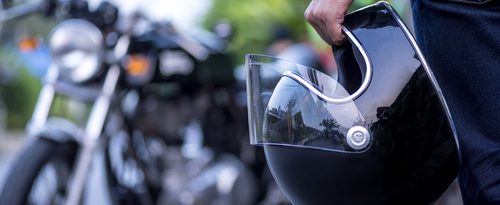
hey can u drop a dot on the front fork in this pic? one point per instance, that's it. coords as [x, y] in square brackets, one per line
[93, 128]
[92, 132]
[44, 103]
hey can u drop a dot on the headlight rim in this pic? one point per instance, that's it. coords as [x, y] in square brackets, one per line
[64, 39]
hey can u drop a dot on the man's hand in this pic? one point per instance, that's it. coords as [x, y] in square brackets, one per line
[327, 16]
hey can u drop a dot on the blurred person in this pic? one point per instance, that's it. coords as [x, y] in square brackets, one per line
[36, 60]
[461, 40]
[285, 45]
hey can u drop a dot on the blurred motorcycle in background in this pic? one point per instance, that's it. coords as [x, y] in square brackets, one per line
[158, 103]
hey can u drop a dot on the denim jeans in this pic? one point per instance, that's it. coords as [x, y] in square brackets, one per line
[461, 41]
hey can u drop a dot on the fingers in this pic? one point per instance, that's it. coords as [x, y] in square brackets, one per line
[327, 16]
[312, 16]
[335, 32]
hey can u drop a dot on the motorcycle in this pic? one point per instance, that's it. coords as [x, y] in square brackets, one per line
[159, 104]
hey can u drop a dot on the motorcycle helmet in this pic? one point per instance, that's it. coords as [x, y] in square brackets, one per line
[377, 132]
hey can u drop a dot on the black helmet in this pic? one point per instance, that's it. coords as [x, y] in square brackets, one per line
[377, 132]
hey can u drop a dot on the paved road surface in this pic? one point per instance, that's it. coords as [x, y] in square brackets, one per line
[97, 193]
[10, 143]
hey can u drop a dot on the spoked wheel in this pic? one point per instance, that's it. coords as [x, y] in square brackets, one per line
[50, 185]
[40, 175]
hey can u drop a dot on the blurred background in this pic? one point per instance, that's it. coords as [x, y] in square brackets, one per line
[246, 26]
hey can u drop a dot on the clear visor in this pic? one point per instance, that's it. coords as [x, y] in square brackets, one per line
[294, 105]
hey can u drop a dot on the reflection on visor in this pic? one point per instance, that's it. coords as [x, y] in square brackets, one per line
[287, 106]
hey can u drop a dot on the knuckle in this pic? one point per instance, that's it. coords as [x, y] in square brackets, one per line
[308, 14]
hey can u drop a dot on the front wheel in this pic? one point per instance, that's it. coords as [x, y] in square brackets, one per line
[40, 174]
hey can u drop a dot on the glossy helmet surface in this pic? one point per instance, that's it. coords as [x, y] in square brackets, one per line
[377, 132]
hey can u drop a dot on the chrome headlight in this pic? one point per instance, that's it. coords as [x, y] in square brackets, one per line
[76, 47]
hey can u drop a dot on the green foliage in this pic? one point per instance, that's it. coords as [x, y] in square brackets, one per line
[20, 97]
[253, 21]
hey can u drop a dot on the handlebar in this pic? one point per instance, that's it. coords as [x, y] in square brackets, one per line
[21, 10]
[104, 16]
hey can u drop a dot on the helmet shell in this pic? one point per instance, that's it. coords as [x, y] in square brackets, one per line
[413, 154]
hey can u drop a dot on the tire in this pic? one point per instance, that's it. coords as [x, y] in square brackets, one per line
[30, 165]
